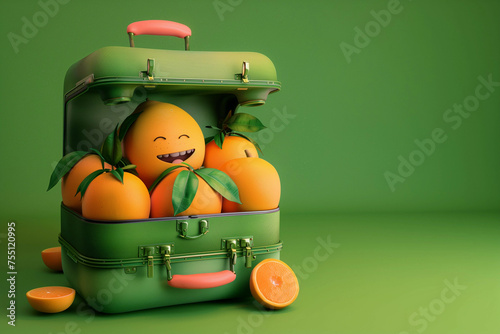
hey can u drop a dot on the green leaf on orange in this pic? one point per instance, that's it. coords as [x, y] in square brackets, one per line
[127, 123]
[220, 182]
[64, 165]
[82, 188]
[162, 176]
[245, 123]
[219, 139]
[184, 190]
[111, 148]
[118, 173]
[126, 165]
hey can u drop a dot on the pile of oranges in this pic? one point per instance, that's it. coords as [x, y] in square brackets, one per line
[156, 164]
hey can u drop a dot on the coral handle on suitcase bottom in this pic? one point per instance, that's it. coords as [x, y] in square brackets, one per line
[159, 27]
[202, 281]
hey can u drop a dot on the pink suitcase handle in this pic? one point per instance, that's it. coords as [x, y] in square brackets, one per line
[202, 281]
[159, 27]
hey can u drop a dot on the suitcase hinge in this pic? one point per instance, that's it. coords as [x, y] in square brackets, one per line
[231, 246]
[241, 244]
[150, 69]
[244, 72]
[150, 252]
[245, 68]
[248, 252]
[166, 251]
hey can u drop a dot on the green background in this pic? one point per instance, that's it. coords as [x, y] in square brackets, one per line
[352, 121]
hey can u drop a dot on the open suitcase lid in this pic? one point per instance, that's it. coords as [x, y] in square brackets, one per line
[117, 71]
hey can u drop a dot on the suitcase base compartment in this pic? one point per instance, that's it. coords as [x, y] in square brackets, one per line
[125, 266]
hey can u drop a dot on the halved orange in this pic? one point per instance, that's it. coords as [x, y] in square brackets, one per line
[274, 284]
[52, 258]
[51, 299]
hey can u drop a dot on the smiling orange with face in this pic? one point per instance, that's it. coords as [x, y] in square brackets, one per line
[163, 135]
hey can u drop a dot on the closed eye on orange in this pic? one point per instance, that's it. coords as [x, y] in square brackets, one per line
[183, 135]
[160, 137]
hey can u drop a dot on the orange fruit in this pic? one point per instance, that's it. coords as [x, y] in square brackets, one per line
[106, 198]
[206, 200]
[75, 176]
[258, 183]
[52, 258]
[51, 299]
[163, 135]
[274, 284]
[233, 147]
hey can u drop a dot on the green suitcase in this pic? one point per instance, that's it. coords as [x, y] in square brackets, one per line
[121, 266]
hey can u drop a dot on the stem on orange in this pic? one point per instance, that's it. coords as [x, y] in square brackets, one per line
[248, 154]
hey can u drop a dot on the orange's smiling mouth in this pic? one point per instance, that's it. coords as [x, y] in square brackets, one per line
[176, 157]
